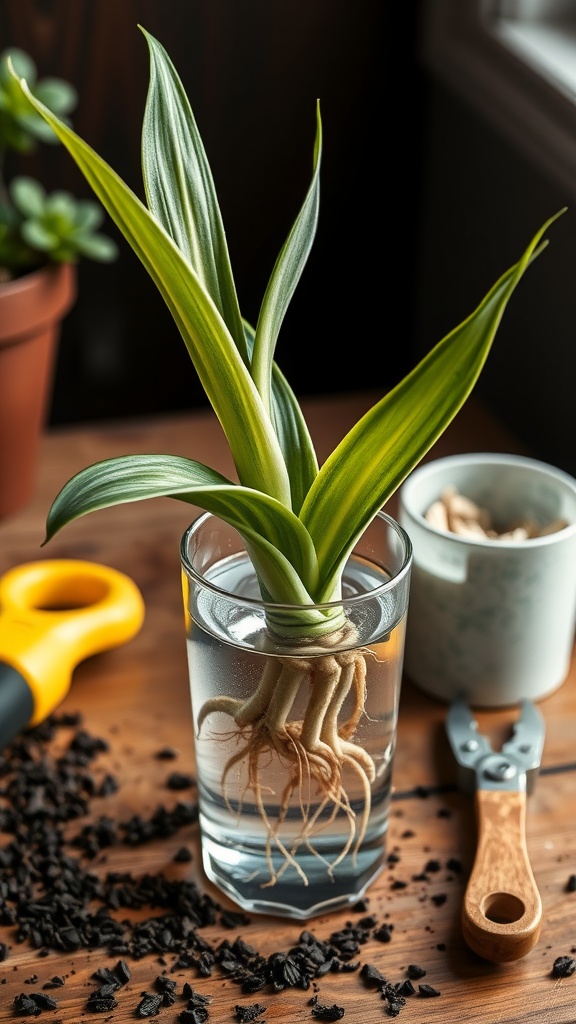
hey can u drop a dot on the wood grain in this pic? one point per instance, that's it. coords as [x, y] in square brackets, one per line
[136, 697]
[502, 909]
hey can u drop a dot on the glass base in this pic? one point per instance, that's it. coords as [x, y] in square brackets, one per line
[243, 873]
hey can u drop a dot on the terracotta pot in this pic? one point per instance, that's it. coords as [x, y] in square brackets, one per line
[31, 309]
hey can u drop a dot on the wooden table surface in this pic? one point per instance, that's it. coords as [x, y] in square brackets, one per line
[136, 699]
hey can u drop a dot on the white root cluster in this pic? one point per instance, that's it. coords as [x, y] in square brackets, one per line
[316, 750]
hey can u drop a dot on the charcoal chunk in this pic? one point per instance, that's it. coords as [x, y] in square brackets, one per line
[563, 966]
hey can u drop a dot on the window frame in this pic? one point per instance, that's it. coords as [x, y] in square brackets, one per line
[463, 50]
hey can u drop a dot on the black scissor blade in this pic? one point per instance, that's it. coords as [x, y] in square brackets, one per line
[16, 703]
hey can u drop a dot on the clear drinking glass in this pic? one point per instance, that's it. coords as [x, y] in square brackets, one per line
[294, 739]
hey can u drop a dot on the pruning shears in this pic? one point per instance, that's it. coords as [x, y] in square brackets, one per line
[53, 614]
[502, 909]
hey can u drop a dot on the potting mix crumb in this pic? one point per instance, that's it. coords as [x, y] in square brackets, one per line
[51, 900]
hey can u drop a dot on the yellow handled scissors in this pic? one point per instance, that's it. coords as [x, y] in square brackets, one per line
[53, 614]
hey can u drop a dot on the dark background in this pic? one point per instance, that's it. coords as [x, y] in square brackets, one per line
[253, 70]
[424, 203]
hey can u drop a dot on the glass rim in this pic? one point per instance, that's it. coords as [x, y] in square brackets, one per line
[354, 599]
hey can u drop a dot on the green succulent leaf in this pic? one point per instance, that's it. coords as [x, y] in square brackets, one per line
[24, 67]
[58, 224]
[95, 246]
[56, 94]
[21, 127]
[88, 215]
[37, 228]
[61, 205]
[38, 236]
[28, 196]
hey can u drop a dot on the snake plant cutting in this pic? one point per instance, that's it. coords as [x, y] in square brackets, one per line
[299, 521]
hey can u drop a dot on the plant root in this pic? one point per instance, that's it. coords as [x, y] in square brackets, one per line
[316, 751]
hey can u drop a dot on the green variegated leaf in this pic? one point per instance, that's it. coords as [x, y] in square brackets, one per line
[389, 441]
[285, 276]
[220, 367]
[294, 439]
[264, 522]
[180, 189]
[292, 430]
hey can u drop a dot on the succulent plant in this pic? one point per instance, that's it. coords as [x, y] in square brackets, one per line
[35, 227]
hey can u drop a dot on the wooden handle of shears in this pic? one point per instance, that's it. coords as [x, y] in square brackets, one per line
[502, 909]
